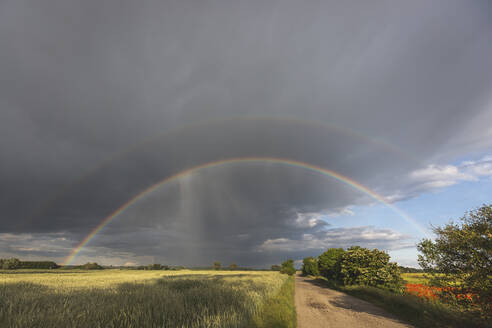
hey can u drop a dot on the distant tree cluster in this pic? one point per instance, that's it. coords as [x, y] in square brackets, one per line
[155, 266]
[90, 266]
[13, 264]
[404, 269]
[10, 264]
[355, 266]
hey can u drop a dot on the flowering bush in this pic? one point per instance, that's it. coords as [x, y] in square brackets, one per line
[448, 295]
[422, 291]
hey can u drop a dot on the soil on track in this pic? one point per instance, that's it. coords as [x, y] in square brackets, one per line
[318, 306]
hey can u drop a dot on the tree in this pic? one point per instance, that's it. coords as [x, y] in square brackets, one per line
[11, 264]
[233, 266]
[288, 267]
[362, 266]
[155, 266]
[276, 267]
[329, 263]
[310, 266]
[460, 257]
[91, 266]
[38, 265]
[217, 265]
[404, 269]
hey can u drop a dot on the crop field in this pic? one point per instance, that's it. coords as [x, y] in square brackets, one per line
[133, 298]
[415, 278]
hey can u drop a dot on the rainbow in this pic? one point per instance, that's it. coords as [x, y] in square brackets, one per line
[287, 162]
[118, 155]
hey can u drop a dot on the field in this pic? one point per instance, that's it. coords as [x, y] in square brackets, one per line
[131, 298]
[415, 278]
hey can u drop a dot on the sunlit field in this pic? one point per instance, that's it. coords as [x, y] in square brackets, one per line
[82, 279]
[415, 278]
[131, 298]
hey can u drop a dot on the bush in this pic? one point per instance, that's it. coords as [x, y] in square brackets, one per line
[276, 267]
[310, 266]
[460, 261]
[91, 266]
[329, 263]
[409, 270]
[288, 267]
[38, 265]
[10, 264]
[415, 311]
[361, 266]
[155, 266]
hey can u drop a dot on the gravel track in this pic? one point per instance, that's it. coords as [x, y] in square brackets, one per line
[318, 306]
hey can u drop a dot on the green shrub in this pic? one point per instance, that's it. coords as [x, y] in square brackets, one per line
[310, 266]
[362, 266]
[155, 266]
[288, 267]
[38, 265]
[329, 263]
[91, 266]
[421, 314]
[10, 264]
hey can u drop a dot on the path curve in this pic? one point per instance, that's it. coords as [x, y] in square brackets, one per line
[318, 306]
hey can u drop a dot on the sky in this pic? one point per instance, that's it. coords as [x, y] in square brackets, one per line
[136, 118]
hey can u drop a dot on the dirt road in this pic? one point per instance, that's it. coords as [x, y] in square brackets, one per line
[323, 307]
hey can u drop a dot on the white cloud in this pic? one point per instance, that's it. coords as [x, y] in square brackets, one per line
[435, 177]
[317, 219]
[309, 220]
[35, 246]
[366, 236]
[344, 211]
[482, 168]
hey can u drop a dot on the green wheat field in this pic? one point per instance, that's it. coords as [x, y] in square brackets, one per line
[132, 298]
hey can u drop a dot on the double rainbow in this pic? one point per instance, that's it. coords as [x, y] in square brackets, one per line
[280, 161]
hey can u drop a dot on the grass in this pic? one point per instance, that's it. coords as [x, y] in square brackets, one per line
[129, 298]
[415, 278]
[410, 308]
[279, 310]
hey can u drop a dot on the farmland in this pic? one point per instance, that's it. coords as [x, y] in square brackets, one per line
[415, 278]
[131, 298]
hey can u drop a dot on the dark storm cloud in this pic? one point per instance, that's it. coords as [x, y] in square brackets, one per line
[82, 80]
[89, 200]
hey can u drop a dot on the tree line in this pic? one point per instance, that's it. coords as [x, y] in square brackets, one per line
[14, 264]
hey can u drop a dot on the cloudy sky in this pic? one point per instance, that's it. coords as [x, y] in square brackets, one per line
[101, 100]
